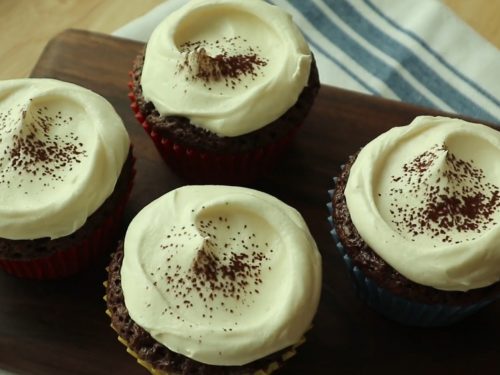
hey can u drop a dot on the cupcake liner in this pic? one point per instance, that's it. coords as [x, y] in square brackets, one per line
[144, 364]
[395, 307]
[270, 368]
[73, 259]
[206, 167]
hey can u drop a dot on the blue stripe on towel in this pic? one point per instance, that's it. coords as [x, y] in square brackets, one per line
[371, 63]
[377, 67]
[456, 100]
[433, 53]
[414, 65]
[328, 55]
[348, 71]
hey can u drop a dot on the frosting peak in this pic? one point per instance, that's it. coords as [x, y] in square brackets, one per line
[228, 275]
[229, 66]
[450, 194]
[426, 198]
[62, 148]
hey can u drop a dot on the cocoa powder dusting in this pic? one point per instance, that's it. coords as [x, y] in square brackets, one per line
[35, 149]
[466, 202]
[225, 67]
[229, 65]
[224, 270]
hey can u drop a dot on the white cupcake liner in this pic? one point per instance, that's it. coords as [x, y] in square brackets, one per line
[395, 307]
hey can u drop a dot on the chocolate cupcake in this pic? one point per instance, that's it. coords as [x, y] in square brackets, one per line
[416, 217]
[222, 103]
[66, 173]
[195, 286]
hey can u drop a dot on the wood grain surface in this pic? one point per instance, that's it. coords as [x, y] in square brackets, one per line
[59, 327]
[28, 25]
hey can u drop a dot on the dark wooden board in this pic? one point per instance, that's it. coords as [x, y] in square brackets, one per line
[59, 327]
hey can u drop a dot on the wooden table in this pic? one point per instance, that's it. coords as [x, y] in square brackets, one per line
[59, 327]
[42, 20]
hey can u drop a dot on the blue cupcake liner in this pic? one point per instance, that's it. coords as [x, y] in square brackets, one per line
[395, 307]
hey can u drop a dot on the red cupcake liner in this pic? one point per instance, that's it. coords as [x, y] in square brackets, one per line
[71, 260]
[207, 167]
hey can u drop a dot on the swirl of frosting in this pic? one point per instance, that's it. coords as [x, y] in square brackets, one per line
[62, 148]
[223, 275]
[229, 66]
[426, 198]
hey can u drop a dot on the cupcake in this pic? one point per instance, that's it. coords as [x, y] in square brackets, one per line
[222, 87]
[214, 280]
[66, 172]
[416, 217]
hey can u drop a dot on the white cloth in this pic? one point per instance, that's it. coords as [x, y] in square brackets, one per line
[415, 51]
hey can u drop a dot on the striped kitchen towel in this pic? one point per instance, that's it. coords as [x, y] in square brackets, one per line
[414, 51]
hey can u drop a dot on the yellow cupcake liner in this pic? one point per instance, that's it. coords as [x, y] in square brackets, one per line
[271, 367]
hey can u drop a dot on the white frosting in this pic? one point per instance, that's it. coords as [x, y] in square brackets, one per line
[268, 267]
[62, 148]
[430, 211]
[233, 106]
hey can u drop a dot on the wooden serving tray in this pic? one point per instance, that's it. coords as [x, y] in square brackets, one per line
[60, 327]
